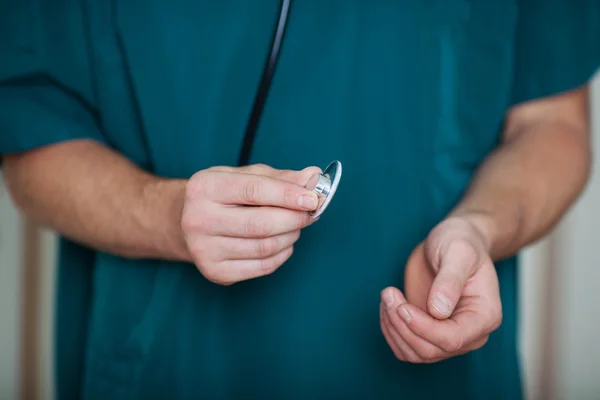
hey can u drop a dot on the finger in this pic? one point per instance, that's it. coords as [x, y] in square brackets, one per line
[478, 344]
[458, 262]
[451, 335]
[385, 329]
[409, 354]
[404, 349]
[475, 346]
[259, 190]
[426, 351]
[255, 169]
[255, 222]
[300, 177]
[241, 270]
[248, 249]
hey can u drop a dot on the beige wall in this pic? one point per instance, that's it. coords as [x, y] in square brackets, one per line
[560, 312]
[9, 296]
[578, 328]
[560, 315]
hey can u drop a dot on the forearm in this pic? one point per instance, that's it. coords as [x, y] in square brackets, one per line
[523, 189]
[94, 196]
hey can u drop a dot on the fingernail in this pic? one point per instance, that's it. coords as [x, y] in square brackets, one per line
[404, 314]
[441, 303]
[388, 299]
[307, 202]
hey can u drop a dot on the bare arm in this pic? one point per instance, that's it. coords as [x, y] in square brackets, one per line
[541, 167]
[95, 196]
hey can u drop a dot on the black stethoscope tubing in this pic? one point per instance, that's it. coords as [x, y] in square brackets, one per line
[265, 84]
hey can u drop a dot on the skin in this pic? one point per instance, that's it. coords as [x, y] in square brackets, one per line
[451, 300]
[211, 220]
[241, 223]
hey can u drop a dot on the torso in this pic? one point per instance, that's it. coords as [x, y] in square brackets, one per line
[409, 95]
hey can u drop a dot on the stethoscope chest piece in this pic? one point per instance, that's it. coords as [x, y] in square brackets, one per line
[325, 186]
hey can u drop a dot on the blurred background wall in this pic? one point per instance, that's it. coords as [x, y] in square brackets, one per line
[560, 311]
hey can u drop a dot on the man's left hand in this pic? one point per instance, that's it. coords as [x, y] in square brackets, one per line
[452, 300]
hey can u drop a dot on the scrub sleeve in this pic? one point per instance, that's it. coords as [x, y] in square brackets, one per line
[557, 47]
[46, 98]
[45, 87]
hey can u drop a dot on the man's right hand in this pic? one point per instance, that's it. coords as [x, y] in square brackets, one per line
[242, 223]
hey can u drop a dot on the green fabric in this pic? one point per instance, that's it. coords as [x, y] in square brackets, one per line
[410, 96]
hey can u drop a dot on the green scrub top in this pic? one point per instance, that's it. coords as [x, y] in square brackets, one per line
[409, 95]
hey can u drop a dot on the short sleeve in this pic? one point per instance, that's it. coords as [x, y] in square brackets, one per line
[46, 92]
[557, 46]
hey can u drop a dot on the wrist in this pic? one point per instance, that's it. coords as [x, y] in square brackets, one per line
[482, 222]
[499, 233]
[163, 204]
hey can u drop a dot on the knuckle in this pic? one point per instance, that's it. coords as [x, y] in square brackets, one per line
[268, 266]
[226, 282]
[204, 254]
[192, 221]
[255, 227]
[260, 167]
[466, 252]
[464, 248]
[291, 176]
[207, 254]
[295, 236]
[497, 319]
[188, 222]
[299, 222]
[265, 247]
[429, 353]
[302, 220]
[219, 168]
[413, 358]
[310, 171]
[287, 255]
[452, 283]
[206, 269]
[213, 272]
[207, 223]
[197, 222]
[198, 186]
[483, 342]
[289, 195]
[250, 191]
[220, 281]
[198, 254]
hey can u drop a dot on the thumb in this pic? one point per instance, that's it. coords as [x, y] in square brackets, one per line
[457, 263]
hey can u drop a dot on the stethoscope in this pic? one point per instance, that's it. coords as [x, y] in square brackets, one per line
[325, 184]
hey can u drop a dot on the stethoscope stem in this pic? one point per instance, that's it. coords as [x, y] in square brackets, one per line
[325, 184]
[265, 84]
